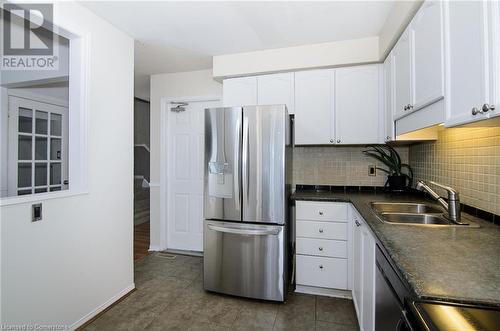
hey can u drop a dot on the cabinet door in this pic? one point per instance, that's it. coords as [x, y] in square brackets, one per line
[239, 91]
[276, 89]
[357, 105]
[467, 74]
[426, 32]
[314, 107]
[389, 98]
[368, 287]
[357, 285]
[402, 75]
[495, 54]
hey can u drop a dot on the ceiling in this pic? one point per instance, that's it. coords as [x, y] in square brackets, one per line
[183, 36]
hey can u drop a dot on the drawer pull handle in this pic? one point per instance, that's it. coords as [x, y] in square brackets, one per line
[320, 230]
[321, 213]
[321, 249]
[321, 266]
[357, 222]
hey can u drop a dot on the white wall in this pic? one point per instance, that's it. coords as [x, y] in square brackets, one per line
[331, 54]
[55, 91]
[80, 256]
[176, 85]
[399, 17]
[4, 136]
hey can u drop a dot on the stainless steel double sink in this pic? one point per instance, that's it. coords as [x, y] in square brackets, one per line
[413, 214]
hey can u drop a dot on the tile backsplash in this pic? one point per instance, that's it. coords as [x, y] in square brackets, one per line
[467, 159]
[332, 165]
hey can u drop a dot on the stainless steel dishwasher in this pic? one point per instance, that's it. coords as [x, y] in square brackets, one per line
[390, 295]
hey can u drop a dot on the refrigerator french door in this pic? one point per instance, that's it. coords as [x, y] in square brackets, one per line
[246, 201]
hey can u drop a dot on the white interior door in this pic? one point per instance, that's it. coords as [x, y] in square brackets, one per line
[38, 147]
[185, 176]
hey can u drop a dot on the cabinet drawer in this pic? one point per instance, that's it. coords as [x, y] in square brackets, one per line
[322, 230]
[322, 247]
[322, 271]
[321, 211]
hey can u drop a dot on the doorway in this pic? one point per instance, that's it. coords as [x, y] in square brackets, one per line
[141, 178]
[184, 173]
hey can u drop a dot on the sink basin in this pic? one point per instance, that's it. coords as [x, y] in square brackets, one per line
[410, 213]
[415, 219]
[405, 207]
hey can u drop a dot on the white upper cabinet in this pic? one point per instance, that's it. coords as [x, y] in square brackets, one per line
[427, 44]
[419, 62]
[402, 75]
[239, 91]
[495, 54]
[389, 98]
[276, 89]
[357, 105]
[314, 107]
[472, 57]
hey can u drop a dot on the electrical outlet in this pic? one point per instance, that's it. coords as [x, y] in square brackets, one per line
[36, 212]
[372, 170]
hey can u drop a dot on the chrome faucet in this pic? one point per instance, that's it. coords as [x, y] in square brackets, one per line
[453, 204]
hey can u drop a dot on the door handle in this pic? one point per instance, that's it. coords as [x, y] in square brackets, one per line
[245, 160]
[236, 166]
[246, 232]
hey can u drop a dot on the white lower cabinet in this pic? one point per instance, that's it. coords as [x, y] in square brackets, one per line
[322, 271]
[363, 289]
[322, 230]
[322, 246]
[335, 252]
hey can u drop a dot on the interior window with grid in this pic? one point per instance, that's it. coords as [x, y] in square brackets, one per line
[41, 153]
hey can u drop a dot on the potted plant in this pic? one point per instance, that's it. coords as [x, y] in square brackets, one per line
[397, 180]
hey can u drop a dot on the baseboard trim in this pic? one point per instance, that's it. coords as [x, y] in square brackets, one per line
[94, 314]
[328, 292]
[183, 252]
[153, 248]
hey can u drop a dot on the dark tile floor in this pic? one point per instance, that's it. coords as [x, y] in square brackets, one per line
[170, 296]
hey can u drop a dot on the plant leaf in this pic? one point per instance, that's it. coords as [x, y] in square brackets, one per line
[391, 163]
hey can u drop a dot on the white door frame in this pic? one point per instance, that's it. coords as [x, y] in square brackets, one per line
[164, 152]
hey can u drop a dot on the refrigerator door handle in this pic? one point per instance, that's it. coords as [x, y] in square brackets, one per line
[243, 231]
[245, 161]
[236, 167]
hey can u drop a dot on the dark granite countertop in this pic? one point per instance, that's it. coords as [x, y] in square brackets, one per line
[442, 263]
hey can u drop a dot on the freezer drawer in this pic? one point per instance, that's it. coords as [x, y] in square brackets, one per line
[245, 259]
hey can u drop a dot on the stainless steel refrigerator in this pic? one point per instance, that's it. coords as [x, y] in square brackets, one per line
[246, 191]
